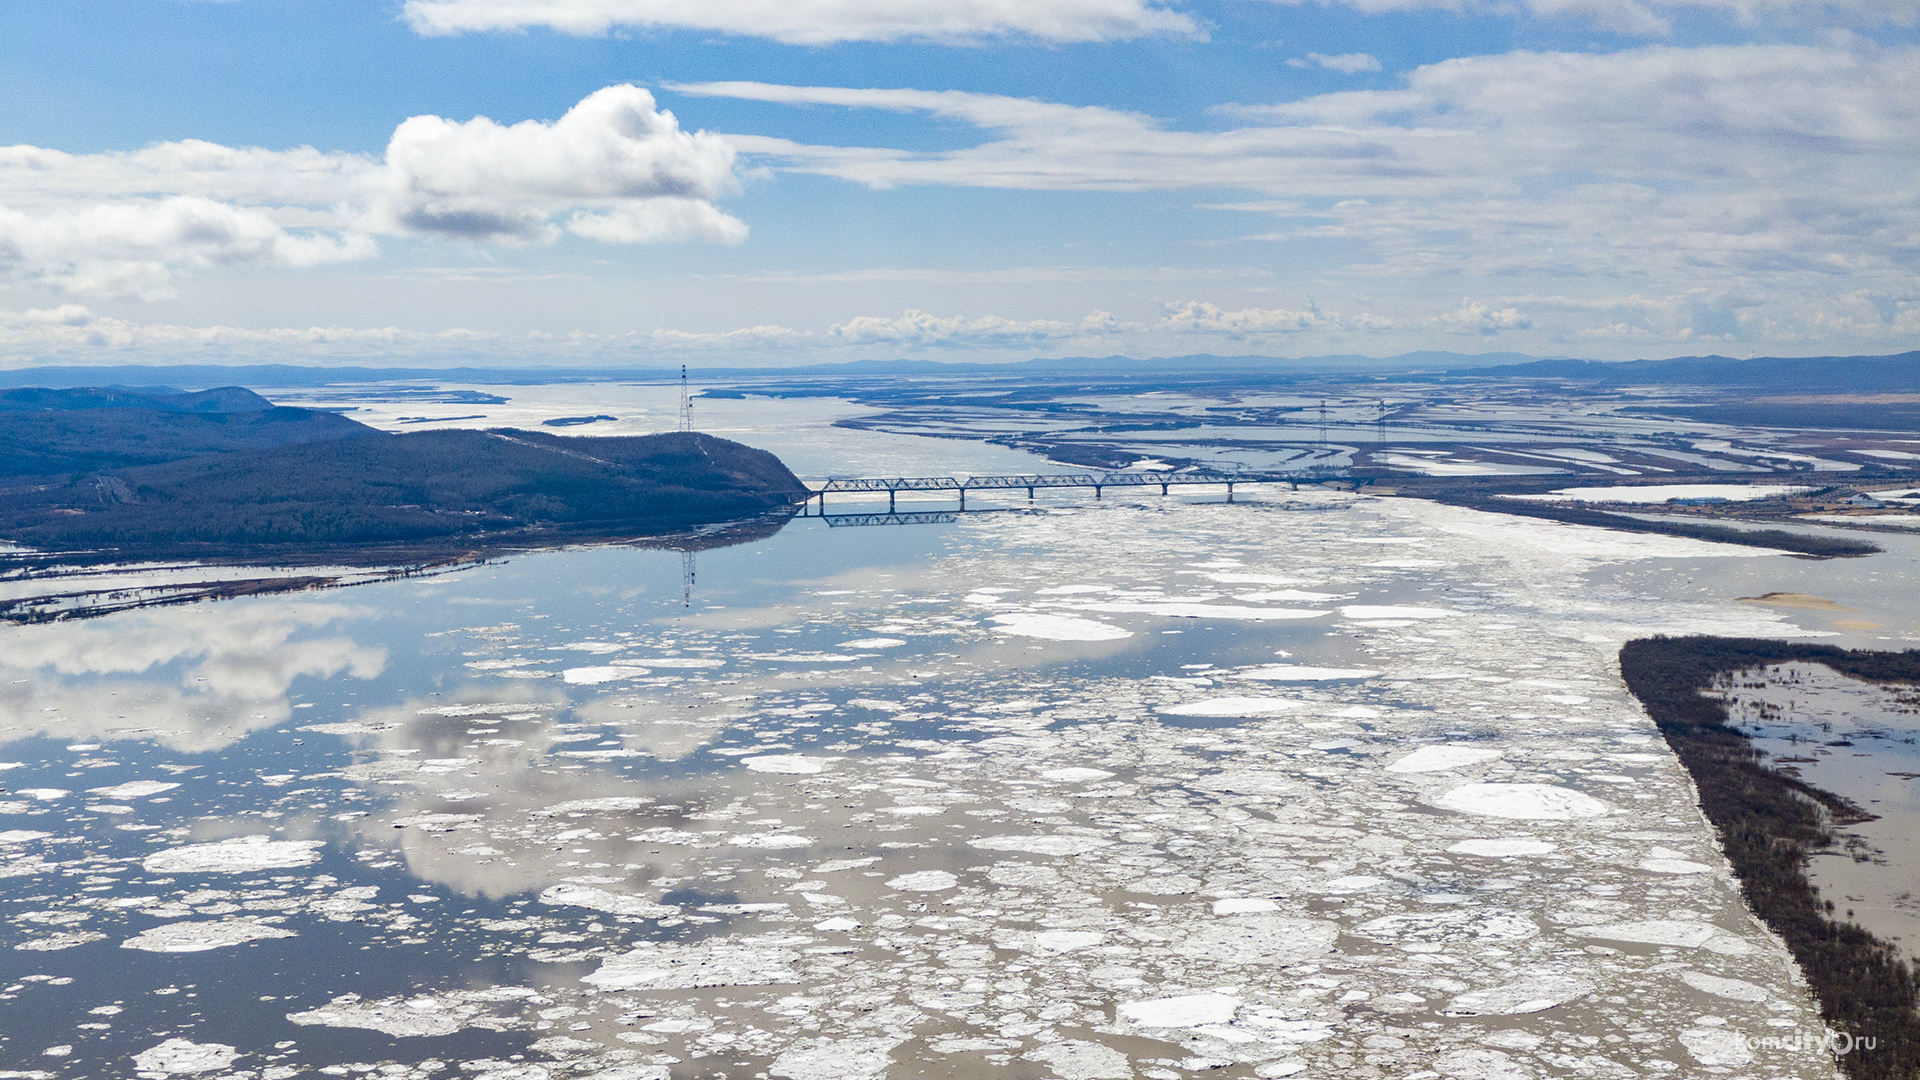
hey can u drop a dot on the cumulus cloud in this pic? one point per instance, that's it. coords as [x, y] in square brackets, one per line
[920, 328]
[129, 248]
[615, 151]
[615, 168]
[1474, 317]
[1345, 63]
[1202, 317]
[817, 22]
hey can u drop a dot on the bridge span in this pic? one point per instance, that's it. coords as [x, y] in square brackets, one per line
[1035, 482]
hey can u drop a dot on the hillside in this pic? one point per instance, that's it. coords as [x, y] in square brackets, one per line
[59, 433]
[145, 481]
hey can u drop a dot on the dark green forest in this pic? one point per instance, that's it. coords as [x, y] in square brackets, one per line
[1770, 822]
[143, 480]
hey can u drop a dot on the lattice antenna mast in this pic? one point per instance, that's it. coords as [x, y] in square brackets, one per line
[1323, 421]
[686, 578]
[686, 402]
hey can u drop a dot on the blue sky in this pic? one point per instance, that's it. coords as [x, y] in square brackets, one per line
[620, 182]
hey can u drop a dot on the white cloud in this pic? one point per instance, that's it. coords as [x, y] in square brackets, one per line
[614, 151]
[920, 328]
[1474, 317]
[1773, 162]
[1345, 63]
[1202, 317]
[817, 22]
[615, 168]
[129, 248]
[1862, 320]
[1655, 17]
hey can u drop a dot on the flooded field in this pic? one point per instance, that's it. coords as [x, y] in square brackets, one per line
[1846, 735]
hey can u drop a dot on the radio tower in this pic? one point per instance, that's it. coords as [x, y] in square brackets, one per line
[686, 402]
[686, 578]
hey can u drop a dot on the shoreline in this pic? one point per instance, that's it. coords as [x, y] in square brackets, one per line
[1770, 823]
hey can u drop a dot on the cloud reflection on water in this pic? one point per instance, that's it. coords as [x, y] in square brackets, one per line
[193, 680]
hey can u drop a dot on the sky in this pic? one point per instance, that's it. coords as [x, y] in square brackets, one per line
[630, 183]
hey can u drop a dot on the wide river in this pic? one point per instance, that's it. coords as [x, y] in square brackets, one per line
[1308, 784]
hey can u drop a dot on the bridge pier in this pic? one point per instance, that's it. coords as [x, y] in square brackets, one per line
[889, 500]
[1229, 491]
[1163, 489]
[963, 498]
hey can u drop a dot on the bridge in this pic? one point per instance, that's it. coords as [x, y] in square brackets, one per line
[1034, 482]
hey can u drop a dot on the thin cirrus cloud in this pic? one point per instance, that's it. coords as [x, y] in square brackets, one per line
[1655, 162]
[1653, 18]
[615, 168]
[817, 22]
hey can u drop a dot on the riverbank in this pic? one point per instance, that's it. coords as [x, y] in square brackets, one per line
[1772, 822]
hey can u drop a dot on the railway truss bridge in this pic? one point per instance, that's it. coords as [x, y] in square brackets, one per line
[1034, 483]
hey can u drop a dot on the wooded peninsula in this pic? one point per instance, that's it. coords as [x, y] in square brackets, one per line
[103, 474]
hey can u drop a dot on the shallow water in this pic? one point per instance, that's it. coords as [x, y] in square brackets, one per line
[1861, 740]
[1311, 784]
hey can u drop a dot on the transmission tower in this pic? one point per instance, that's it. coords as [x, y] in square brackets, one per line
[686, 402]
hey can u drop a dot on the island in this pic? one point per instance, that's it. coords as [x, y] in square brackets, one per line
[109, 474]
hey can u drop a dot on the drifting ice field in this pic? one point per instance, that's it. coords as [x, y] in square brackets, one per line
[1309, 785]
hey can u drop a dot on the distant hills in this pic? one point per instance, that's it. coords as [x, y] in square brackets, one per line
[289, 375]
[110, 473]
[55, 432]
[1896, 373]
[1899, 372]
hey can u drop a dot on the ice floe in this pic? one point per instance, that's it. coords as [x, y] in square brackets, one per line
[1233, 706]
[1541, 802]
[1530, 993]
[1719, 986]
[744, 961]
[789, 764]
[1058, 627]
[1442, 757]
[1188, 1010]
[924, 881]
[1304, 673]
[1503, 849]
[587, 896]
[240, 855]
[1678, 933]
[188, 937]
[1042, 845]
[135, 789]
[1377, 611]
[184, 1057]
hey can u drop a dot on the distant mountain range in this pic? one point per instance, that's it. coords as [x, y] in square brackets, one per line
[1892, 373]
[1896, 373]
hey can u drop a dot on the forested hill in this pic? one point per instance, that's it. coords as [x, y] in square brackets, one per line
[60, 433]
[169, 483]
